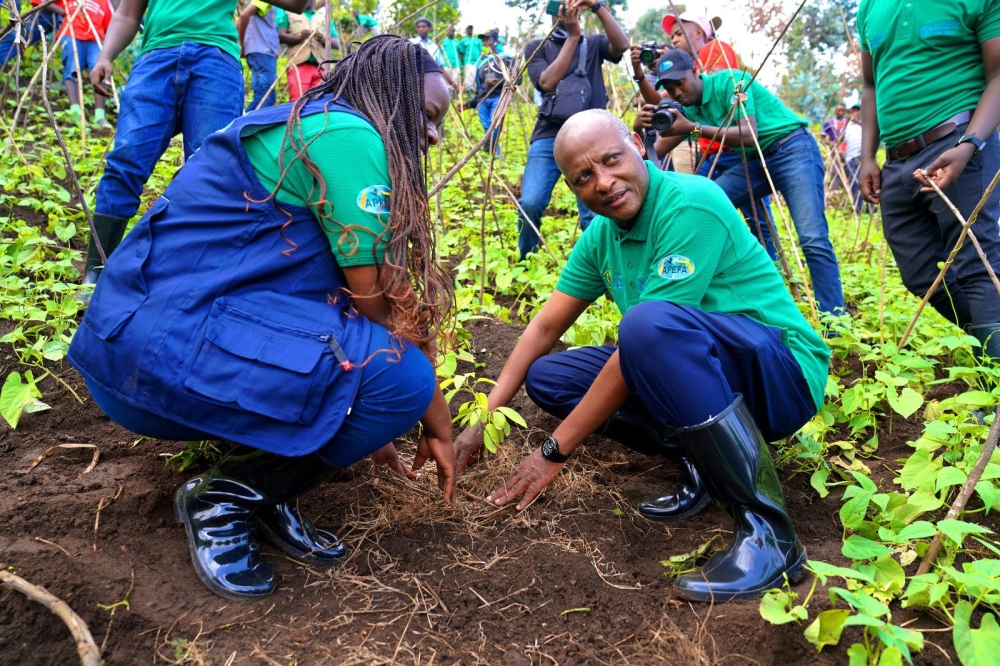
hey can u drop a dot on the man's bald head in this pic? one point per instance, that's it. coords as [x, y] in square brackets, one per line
[602, 163]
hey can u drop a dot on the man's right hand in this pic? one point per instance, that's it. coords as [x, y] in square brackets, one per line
[870, 180]
[571, 20]
[469, 447]
[100, 77]
[634, 51]
[644, 119]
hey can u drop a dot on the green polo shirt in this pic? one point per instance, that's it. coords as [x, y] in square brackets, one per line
[350, 154]
[170, 23]
[366, 21]
[281, 21]
[926, 60]
[451, 54]
[774, 119]
[470, 48]
[689, 246]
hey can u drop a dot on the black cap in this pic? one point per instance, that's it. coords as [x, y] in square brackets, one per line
[423, 19]
[494, 34]
[673, 66]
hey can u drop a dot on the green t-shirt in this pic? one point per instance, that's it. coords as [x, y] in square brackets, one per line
[366, 21]
[450, 48]
[926, 59]
[689, 246]
[351, 156]
[774, 119]
[281, 22]
[470, 48]
[169, 23]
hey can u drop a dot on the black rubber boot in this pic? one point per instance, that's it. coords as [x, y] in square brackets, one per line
[221, 509]
[989, 336]
[737, 468]
[110, 230]
[690, 495]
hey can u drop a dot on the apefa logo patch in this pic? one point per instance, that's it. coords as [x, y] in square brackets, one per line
[675, 267]
[374, 199]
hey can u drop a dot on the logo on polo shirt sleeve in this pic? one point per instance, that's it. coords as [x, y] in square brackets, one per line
[675, 267]
[374, 199]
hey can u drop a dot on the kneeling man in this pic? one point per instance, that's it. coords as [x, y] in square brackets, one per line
[711, 349]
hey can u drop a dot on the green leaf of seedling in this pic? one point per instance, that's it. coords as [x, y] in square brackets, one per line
[918, 530]
[864, 481]
[513, 416]
[16, 395]
[818, 480]
[778, 607]
[949, 476]
[826, 628]
[491, 438]
[891, 657]
[988, 494]
[824, 571]
[866, 604]
[853, 513]
[857, 655]
[975, 647]
[956, 530]
[859, 548]
[906, 403]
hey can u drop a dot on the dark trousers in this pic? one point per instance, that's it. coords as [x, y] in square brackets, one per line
[685, 366]
[921, 230]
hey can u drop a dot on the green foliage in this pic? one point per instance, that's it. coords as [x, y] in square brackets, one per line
[649, 26]
[18, 397]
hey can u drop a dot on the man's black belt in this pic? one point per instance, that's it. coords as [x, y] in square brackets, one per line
[773, 148]
[913, 146]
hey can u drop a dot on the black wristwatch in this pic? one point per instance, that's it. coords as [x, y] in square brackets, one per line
[975, 141]
[596, 8]
[550, 449]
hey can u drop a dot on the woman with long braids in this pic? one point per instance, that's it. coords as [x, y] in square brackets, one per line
[282, 294]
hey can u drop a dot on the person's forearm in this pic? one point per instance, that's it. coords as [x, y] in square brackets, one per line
[243, 21]
[556, 72]
[617, 39]
[294, 6]
[665, 144]
[604, 397]
[437, 419]
[123, 28]
[649, 94]
[987, 116]
[740, 134]
[286, 37]
[870, 134]
[535, 342]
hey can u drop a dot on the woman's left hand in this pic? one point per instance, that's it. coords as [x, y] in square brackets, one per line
[387, 457]
[533, 474]
[443, 453]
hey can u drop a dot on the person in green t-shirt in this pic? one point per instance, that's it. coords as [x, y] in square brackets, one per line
[470, 49]
[188, 80]
[950, 53]
[452, 51]
[790, 151]
[711, 346]
[366, 24]
[304, 35]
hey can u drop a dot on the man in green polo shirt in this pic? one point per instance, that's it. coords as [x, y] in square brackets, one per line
[470, 48]
[452, 51]
[188, 80]
[789, 150]
[950, 52]
[710, 346]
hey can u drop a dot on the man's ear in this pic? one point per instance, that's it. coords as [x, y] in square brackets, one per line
[639, 144]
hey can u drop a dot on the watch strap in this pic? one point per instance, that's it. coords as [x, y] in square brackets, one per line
[550, 450]
[597, 7]
[974, 140]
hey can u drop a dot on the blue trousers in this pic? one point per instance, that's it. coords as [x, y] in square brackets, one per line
[193, 89]
[263, 74]
[486, 107]
[38, 24]
[392, 397]
[797, 170]
[921, 231]
[541, 173]
[85, 56]
[684, 366]
[727, 160]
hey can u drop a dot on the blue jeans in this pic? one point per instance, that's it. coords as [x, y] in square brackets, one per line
[728, 159]
[39, 23]
[85, 55]
[192, 89]
[485, 108]
[541, 173]
[717, 355]
[391, 398]
[797, 170]
[263, 74]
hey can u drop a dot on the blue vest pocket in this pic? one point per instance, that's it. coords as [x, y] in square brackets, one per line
[277, 365]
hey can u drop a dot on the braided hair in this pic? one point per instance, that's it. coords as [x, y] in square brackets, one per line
[383, 79]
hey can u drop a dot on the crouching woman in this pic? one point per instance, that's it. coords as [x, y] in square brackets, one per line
[282, 294]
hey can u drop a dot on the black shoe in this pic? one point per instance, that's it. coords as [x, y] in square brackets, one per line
[689, 497]
[736, 466]
[217, 513]
[110, 230]
[287, 529]
[639, 435]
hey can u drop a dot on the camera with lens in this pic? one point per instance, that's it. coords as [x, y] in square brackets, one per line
[665, 115]
[648, 53]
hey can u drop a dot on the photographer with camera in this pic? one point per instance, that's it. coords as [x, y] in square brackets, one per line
[567, 71]
[792, 155]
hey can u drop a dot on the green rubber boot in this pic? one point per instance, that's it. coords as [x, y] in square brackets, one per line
[110, 230]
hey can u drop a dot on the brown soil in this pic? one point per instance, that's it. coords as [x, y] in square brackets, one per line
[575, 579]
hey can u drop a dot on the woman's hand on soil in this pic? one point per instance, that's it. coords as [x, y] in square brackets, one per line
[441, 450]
[533, 474]
[469, 447]
[387, 457]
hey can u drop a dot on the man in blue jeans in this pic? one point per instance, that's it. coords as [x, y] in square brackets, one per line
[790, 151]
[259, 37]
[44, 22]
[550, 63]
[188, 79]
[489, 84]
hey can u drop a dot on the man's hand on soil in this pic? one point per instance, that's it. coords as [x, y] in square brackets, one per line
[533, 474]
[469, 447]
[441, 450]
[387, 457]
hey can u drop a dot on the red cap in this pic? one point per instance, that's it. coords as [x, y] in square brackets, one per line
[699, 20]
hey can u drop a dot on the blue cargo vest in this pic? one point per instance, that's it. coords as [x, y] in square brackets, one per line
[222, 310]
